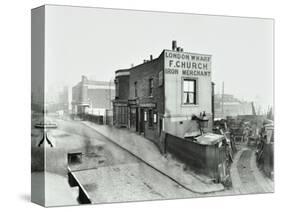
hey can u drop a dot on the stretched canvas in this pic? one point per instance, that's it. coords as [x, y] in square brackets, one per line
[134, 105]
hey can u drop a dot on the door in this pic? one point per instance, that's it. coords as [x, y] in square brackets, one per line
[160, 125]
[141, 130]
[137, 120]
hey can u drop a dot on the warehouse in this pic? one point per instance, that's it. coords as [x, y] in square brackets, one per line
[92, 97]
[163, 94]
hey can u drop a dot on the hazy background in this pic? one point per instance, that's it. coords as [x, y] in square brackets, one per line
[96, 42]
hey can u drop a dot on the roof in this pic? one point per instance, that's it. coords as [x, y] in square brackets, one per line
[144, 63]
[155, 59]
[93, 82]
[121, 70]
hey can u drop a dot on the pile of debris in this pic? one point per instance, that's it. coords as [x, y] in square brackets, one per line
[265, 149]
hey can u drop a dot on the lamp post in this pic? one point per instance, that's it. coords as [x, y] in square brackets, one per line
[202, 121]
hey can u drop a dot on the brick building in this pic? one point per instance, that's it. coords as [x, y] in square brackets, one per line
[90, 96]
[163, 94]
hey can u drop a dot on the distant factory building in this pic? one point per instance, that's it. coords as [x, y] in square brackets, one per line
[164, 94]
[228, 105]
[92, 97]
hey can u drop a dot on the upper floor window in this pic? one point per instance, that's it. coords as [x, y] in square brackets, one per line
[151, 87]
[136, 89]
[189, 91]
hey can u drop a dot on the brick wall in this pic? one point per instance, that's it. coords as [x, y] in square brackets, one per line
[141, 74]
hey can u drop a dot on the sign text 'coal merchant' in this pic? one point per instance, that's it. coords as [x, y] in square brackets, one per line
[187, 64]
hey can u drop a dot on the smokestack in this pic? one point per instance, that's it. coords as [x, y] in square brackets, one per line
[178, 49]
[174, 45]
[151, 57]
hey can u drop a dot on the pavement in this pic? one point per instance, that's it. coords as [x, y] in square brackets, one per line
[147, 152]
[129, 182]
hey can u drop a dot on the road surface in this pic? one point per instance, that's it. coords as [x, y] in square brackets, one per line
[120, 176]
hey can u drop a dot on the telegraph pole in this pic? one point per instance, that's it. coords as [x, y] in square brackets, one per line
[110, 94]
[222, 99]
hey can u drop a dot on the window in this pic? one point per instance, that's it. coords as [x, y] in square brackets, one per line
[150, 87]
[189, 91]
[136, 89]
[145, 116]
[155, 118]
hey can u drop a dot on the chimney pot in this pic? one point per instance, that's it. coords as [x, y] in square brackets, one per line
[174, 45]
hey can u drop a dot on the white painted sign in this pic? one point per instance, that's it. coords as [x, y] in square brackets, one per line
[187, 64]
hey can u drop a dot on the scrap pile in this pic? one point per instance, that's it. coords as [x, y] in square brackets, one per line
[265, 153]
[221, 127]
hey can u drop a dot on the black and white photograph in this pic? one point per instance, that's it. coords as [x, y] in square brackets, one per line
[132, 105]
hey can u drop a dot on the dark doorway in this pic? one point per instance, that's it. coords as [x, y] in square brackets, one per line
[160, 125]
[141, 121]
[137, 120]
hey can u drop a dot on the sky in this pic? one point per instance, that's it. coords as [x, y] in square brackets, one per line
[97, 42]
